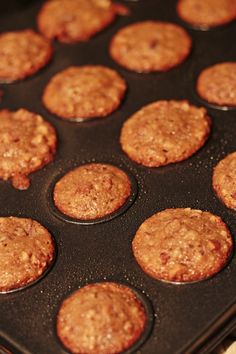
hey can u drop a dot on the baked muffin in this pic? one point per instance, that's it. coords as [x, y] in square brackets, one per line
[217, 84]
[22, 54]
[207, 13]
[164, 132]
[182, 245]
[26, 251]
[150, 46]
[92, 191]
[27, 143]
[75, 20]
[84, 92]
[224, 180]
[101, 318]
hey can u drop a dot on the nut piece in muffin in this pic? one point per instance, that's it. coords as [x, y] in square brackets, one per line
[79, 93]
[207, 13]
[164, 132]
[26, 251]
[101, 318]
[27, 143]
[182, 245]
[224, 180]
[92, 191]
[22, 54]
[75, 20]
[217, 84]
[150, 46]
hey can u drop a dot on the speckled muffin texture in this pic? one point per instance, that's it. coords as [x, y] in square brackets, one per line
[92, 191]
[164, 132]
[224, 180]
[27, 143]
[207, 13]
[26, 251]
[84, 92]
[74, 20]
[150, 46]
[182, 245]
[217, 84]
[22, 54]
[101, 318]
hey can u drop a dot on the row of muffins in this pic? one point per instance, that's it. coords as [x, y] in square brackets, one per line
[73, 21]
[153, 136]
[155, 40]
[103, 317]
[74, 340]
[96, 15]
[96, 190]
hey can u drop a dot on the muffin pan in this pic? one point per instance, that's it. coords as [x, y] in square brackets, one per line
[188, 318]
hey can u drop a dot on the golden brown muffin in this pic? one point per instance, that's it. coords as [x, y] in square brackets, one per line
[26, 251]
[217, 84]
[100, 318]
[150, 46]
[164, 132]
[182, 245]
[84, 92]
[22, 54]
[207, 13]
[92, 191]
[75, 20]
[27, 143]
[224, 180]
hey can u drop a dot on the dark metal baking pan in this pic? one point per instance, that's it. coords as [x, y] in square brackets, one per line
[188, 318]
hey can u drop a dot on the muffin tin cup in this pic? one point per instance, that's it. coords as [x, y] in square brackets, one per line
[128, 203]
[147, 305]
[80, 120]
[204, 102]
[41, 277]
[212, 105]
[182, 283]
[204, 28]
